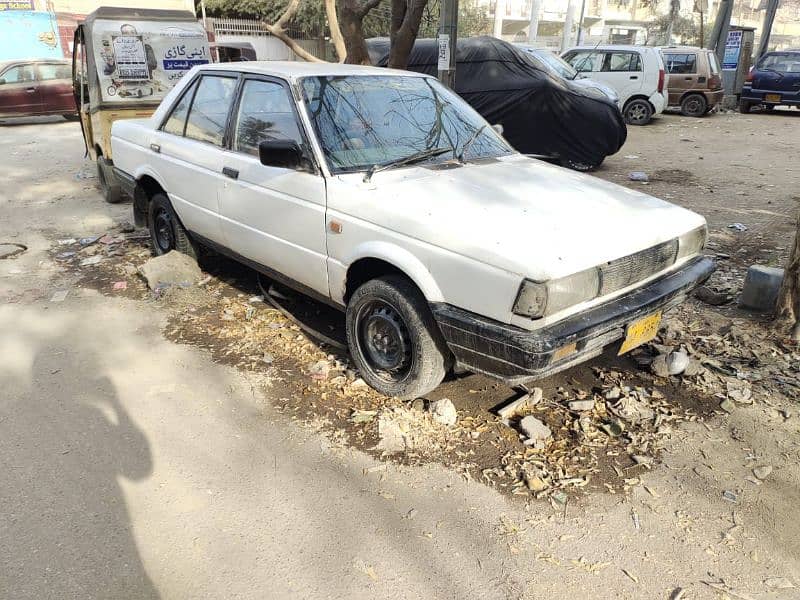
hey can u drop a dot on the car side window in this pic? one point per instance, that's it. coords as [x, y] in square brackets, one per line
[208, 114]
[582, 60]
[176, 122]
[622, 62]
[49, 71]
[19, 74]
[681, 63]
[265, 113]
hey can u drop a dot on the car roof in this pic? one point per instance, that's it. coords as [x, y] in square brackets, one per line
[24, 61]
[683, 49]
[616, 47]
[296, 69]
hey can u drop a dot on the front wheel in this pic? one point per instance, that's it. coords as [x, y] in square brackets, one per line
[166, 231]
[637, 112]
[111, 190]
[394, 340]
[745, 106]
[694, 105]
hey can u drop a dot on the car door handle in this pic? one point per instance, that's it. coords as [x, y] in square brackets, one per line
[30, 90]
[688, 78]
[634, 77]
[232, 173]
[155, 148]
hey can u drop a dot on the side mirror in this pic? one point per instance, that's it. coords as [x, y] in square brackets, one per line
[281, 153]
[498, 128]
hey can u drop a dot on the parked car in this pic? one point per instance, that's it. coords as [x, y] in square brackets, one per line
[549, 60]
[31, 88]
[695, 84]
[540, 113]
[773, 81]
[636, 72]
[385, 194]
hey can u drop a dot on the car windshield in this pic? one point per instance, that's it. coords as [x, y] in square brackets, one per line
[365, 120]
[782, 62]
[557, 64]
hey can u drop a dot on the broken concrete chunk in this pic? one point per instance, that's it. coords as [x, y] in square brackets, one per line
[516, 406]
[739, 391]
[581, 405]
[762, 472]
[659, 366]
[444, 412]
[761, 287]
[693, 367]
[632, 410]
[677, 362]
[170, 269]
[320, 370]
[727, 406]
[391, 435]
[534, 429]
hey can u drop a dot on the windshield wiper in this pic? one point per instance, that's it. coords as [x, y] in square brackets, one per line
[468, 143]
[407, 160]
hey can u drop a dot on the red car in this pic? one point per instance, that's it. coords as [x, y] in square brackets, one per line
[36, 87]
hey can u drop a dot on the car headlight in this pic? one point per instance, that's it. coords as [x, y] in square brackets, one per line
[692, 242]
[538, 299]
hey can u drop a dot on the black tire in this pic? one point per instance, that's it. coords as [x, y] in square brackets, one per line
[72, 117]
[745, 106]
[112, 192]
[768, 107]
[166, 231]
[394, 340]
[637, 112]
[694, 105]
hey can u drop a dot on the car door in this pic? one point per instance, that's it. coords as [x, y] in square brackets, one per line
[622, 70]
[19, 91]
[55, 88]
[273, 216]
[187, 152]
[683, 76]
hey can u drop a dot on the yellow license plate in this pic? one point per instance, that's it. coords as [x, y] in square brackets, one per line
[641, 331]
[772, 97]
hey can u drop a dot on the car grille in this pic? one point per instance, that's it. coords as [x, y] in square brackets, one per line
[627, 270]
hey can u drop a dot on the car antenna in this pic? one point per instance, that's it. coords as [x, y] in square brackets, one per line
[578, 68]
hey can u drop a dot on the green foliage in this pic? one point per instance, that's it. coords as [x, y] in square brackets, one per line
[684, 30]
[309, 20]
[472, 20]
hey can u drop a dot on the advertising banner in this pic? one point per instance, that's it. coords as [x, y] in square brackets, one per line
[733, 47]
[145, 59]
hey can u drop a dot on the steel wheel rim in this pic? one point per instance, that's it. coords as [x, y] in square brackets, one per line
[162, 227]
[693, 106]
[384, 340]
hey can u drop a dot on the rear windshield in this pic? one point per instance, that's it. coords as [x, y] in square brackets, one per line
[712, 62]
[782, 62]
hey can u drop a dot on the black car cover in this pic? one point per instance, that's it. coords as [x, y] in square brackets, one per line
[540, 113]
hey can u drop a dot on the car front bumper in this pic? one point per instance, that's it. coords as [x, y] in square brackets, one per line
[517, 355]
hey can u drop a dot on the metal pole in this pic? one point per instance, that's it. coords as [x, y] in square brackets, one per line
[566, 34]
[203, 11]
[580, 23]
[766, 28]
[723, 32]
[448, 37]
[533, 28]
[499, 9]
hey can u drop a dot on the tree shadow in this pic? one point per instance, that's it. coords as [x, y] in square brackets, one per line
[65, 441]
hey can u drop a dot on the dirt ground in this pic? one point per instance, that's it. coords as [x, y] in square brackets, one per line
[180, 446]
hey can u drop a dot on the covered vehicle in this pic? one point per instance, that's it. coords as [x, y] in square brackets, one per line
[540, 113]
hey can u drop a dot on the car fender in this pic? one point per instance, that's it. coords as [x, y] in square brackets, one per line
[401, 259]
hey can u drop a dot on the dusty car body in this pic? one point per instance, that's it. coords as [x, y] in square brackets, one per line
[695, 83]
[773, 81]
[384, 194]
[36, 87]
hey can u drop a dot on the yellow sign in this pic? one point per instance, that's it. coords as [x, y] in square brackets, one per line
[641, 331]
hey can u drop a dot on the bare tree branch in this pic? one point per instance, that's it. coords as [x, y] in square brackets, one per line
[336, 32]
[279, 30]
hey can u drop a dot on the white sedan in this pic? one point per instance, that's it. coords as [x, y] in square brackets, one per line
[384, 194]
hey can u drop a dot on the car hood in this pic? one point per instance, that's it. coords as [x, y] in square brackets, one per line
[515, 213]
[607, 91]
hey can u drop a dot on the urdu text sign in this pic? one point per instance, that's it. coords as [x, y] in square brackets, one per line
[16, 5]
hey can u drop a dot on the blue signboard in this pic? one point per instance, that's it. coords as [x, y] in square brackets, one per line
[29, 34]
[733, 47]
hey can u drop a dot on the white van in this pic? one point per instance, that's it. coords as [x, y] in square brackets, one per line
[636, 72]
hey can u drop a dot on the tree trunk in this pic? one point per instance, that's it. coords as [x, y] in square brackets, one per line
[278, 29]
[336, 32]
[351, 16]
[406, 17]
[788, 308]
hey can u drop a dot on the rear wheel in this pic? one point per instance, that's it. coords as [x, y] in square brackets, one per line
[111, 190]
[166, 231]
[394, 340]
[694, 105]
[768, 106]
[745, 106]
[637, 112]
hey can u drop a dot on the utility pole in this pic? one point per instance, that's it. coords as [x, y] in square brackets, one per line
[448, 36]
[533, 28]
[569, 19]
[499, 9]
[580, 24]
[766, 28]
[719, 35]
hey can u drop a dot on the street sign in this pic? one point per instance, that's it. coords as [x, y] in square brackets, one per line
[733, 47]
[444, 52]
